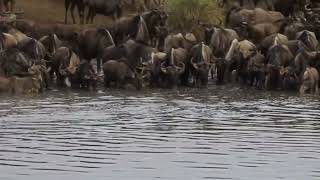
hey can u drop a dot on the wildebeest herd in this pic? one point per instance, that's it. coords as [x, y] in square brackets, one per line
[261, 45]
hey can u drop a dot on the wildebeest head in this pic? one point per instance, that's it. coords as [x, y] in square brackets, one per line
[172, 69]
[33, 48]
[309, 39]
[201, 61]
[39, 75]
[279, 55]
[51, 43]
[289, 78]
[221, 41]
[140, 32]
[155, 17]
[87, 75]
[14, 62]
[256, 62]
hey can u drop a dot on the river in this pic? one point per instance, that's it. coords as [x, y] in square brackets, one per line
[215, 133]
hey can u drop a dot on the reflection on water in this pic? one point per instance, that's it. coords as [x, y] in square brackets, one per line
[216, 133]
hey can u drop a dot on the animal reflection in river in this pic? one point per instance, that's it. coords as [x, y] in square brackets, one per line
[190, 133]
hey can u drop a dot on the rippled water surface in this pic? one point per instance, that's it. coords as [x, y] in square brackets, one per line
[216, 133]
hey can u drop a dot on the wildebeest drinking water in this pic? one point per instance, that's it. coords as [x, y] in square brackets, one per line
[260, 46]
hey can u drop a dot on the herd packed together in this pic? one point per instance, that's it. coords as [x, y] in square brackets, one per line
[263, 47]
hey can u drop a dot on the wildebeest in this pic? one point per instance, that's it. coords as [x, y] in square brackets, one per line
[51, 42]
[105, 7]
[267, 42]
[256, 33]
[173, 68]
[278, 56]
[33, 48]
[236, 16]
[131, 28]
[72, 4]
[7, 41]
[92, 43]
[256, 70]
[7, 5]
[151, 69]
[22, 85]
[84, 76]
[64, 64]
[286, 7]
[201, 62]
[309, 39]
[14, 63]
[179, 40]
[120, 73]
[310, 81]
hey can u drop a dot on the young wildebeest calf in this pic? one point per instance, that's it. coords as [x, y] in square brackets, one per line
[119, 72]
[23, 85]
[310, 81]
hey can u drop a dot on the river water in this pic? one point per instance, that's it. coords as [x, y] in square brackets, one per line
[215, 133]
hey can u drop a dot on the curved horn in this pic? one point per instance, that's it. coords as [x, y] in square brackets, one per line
[203, 53]
[163, 68]
[152, 58]
[110, 37]
[194, 65]
[229, 55]
[49, 69]
[276, 41]
[182, 68]
[306, 7]
[62, 71]
[67, 82]
[172, 56]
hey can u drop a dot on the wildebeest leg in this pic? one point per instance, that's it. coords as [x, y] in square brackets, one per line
[81, 12]
[59, 80]
[72, 12]
[185, 77]
[89, 14]
[6, 5]
[12, 5]
[1, 6]
[93, 15]
[106, 82]
[66, 5]
[267, 82]
[99, 61]
[119, 12]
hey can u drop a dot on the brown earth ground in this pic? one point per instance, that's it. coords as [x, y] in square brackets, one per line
[51, 11]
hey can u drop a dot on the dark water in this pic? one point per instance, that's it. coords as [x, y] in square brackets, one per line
[216, 133]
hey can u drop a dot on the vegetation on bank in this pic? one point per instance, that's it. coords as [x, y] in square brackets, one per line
[186, 14]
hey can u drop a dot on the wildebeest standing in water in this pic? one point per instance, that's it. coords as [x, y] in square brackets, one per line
[72, 4]
[92, 43]
[4, 5]
[105, 7]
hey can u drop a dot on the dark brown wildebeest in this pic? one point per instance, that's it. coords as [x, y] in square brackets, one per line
[104, 7]
[4, 5]
[72, 4]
